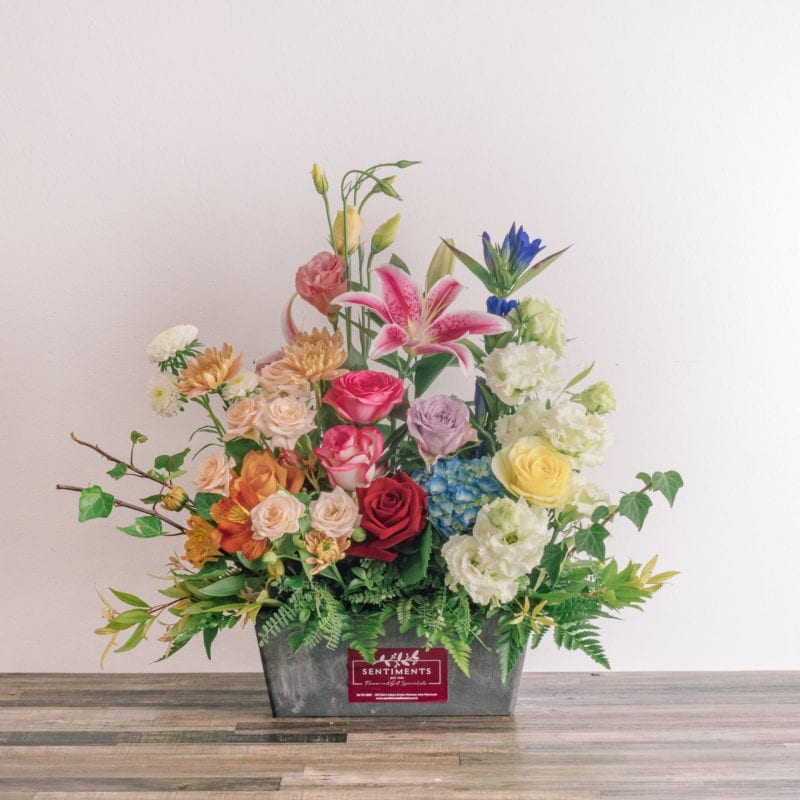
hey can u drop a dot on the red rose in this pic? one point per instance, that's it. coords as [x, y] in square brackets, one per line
[364, 396]
[393, 510]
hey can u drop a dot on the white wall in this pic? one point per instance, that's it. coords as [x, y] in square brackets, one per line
[154, 161]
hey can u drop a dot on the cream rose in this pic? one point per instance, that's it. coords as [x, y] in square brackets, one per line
[334, 513]
[277, 514]
[532, 469]
[243, 417]
[214, 474]
[284, 420]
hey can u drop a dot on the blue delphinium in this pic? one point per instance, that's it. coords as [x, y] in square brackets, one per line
[515, 254]
[457, 489]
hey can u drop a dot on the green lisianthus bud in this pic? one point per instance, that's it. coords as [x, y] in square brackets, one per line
[597, 398]
[320, 181]
[175, 499]
[442, 263]
[384, 234]
[358, 535]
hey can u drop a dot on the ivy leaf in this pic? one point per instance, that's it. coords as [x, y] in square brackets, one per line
[644, 477]
[552, 559]
[416, 564]
[600, 513]
[130, 599]
[171, 463]
[668, 484]
[237, 449]
[428, 369]
[635, 506]
[203, 502]
[94, 503]
[592, 540]
[138, 438]
[144, 528]
[119, 470]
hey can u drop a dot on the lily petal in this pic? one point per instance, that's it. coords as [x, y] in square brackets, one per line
[391, 337]
[401, 295]
[460, 323]
[367, 299]
[440, 296]
[460, 351]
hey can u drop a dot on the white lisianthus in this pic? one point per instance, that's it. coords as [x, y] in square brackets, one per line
[507, 542]
[579, 435]
[240, 385]
[586, 496]
[165, 397]
[277, 514]
[515, 371]
[527, 420]
[541, 322]
[334, 513]
[170, 342]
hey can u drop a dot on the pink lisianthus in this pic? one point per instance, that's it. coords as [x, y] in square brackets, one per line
[321, 280]
[364, 396]
[350, 455]
[439, 425]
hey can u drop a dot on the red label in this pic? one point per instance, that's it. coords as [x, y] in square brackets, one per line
[398, 676]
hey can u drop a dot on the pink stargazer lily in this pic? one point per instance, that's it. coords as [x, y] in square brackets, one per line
[418, 324]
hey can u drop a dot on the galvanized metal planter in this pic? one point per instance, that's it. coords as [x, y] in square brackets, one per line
[404, 681]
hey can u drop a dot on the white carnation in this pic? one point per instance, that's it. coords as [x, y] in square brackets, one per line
[516, 371]
[240, 385]
[527, 420]
[582, 437]
[170, 342]
[164, 395]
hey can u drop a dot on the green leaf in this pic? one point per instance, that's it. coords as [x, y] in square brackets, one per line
[118, 471]
[130, 599]
[203, 502]
[635, 506]
[475, 267]
[144, 528]
[428, 369]
[579, 377]
[668, 484]
[644, 478]
[552, 559]
[398, 262]
[592, 540]
[94, 503]
[600, 513]
[138, 438]
[537, 269]
[355, 361]
[136, 637]
[237, 449]
[209, 634]
[415, 565]
[227, 587]
[127, 619]
[152, 499]
[171, 463]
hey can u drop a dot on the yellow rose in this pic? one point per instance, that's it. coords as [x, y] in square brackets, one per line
[353, 223]
[532, 469]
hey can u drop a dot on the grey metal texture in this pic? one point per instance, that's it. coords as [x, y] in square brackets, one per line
[313, 683]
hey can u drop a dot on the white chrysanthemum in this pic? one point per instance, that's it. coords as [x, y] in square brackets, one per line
[240, 385]
[586, 496]
[164, 395]
[466, 568]
[527, 420]
[542, 322]
[516, 371]
[170, 342]
[582, 437]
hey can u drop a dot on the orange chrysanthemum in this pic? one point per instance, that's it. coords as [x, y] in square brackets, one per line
[202, 543]
[209, 371]
[314, 356]
[324, 550]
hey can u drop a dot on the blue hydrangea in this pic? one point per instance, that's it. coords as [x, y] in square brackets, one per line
[457, 489]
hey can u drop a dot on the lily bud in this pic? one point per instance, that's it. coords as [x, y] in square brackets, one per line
[320, 181]
[175, 500]
[384, 234]
[353, 229]
[442, 263]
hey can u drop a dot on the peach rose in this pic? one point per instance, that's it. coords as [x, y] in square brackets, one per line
[275, 515]
[243, 417]
[334, 513]
[214, 474]
[284, 420]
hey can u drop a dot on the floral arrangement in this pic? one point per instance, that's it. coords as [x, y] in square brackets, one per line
[335, 491]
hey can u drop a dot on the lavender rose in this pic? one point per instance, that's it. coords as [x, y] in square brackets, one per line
[439, 425]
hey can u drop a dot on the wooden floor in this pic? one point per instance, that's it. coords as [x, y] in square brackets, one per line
[649, 736]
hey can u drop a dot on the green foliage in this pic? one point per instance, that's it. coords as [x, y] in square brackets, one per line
[144, 528]
[203, 502]
[237, 449]
[119, 470]
[414, 565]
[94, 503]
[635, 506]
[592, 540]
[668, 484]
[428, 369]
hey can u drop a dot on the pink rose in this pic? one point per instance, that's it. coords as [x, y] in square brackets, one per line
[349, 455]
[322, 279]
[439, 425]
[365, 396]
